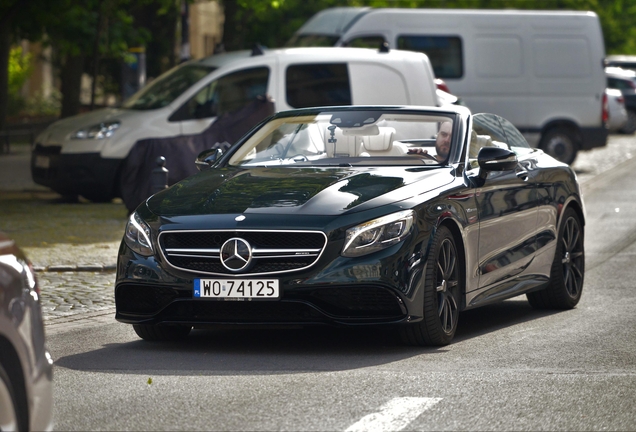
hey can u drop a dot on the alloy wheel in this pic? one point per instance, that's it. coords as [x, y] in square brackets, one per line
[447, 285]
[572, 257]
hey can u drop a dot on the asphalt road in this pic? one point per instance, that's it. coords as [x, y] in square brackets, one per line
[509, 368]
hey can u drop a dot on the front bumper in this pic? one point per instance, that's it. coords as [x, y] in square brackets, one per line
[334, 292]
[154, 304]
[86, 174]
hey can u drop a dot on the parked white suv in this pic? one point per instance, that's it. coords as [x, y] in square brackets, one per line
[212, 102]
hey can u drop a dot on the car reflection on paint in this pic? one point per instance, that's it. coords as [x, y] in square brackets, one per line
[356, 216]
[26, 367]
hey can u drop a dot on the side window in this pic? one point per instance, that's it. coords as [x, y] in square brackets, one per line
[229, 93]
[322, 84]
[444, 52]
[515, 139]
[366, 42]
[486, 132]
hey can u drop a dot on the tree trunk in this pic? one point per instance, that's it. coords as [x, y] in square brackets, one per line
[5, 48]
[71, 77]
[231, 34]
[95, 71]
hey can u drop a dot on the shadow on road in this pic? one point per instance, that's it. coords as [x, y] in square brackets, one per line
[488, 319]
[248, 351]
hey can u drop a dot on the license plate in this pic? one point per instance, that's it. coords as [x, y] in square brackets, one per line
[236, 288]
[42, 161]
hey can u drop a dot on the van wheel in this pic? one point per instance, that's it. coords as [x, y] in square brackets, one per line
[98, 197]
[560, 144]
[630, 126]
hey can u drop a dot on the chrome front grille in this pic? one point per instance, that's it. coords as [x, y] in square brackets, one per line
[270, 252]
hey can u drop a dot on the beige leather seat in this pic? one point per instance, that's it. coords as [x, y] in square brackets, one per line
[479, 141]
[382, 144]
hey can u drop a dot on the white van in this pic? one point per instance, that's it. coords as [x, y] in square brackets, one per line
[86, 154]
[542, 70]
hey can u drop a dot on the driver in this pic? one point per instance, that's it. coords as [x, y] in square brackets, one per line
[442, 143]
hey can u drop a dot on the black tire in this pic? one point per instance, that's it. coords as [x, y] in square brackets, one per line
[630, 126]
[568, 268]
[560, 144]
[68, 199]
[443, 287]
[162, 333]
[13, 414]
[99, 197]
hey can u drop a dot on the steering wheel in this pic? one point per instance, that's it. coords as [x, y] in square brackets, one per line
[423, 154]
[430, 156]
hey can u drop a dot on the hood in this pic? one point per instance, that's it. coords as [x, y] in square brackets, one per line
[303, 191]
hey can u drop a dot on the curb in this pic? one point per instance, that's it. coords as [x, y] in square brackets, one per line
[62, 324]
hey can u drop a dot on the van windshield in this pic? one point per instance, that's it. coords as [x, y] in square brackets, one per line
[167, 87]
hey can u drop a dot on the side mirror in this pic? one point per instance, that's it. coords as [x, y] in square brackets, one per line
[495, 159]
[207, 158]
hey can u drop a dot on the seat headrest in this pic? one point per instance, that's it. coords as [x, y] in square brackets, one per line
[381, 142]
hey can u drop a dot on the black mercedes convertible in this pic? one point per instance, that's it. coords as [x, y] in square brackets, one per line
[348, 216]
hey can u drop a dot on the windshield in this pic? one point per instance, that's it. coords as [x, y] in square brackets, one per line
[167, 87]
[351, 137]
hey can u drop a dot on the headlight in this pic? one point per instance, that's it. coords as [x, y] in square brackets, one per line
[137, 235]
[98, 131]
[378, 234]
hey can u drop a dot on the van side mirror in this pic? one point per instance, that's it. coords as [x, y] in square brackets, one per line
[207, 158]
[495, 159]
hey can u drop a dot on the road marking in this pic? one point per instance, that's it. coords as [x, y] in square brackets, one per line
[395, 415]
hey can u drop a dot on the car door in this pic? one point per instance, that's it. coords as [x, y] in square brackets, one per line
[507, 210]
[225, 94]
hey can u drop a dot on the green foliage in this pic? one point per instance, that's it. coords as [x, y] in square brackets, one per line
[40, 105]
[20, 69]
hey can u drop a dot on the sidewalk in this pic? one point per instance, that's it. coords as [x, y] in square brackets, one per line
[56, 236]
[15, 172]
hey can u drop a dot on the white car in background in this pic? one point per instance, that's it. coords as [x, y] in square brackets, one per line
[95, 155]
[616, 107]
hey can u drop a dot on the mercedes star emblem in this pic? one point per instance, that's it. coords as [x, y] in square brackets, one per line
[236, 254]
